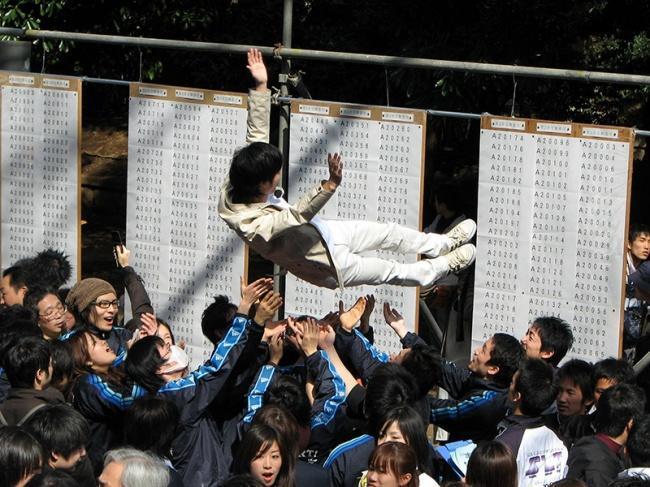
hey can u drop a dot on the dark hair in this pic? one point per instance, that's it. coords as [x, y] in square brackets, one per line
[413, 430]
[162, 322]
[617, 406]
[282, 421]
[20, 455]
[24, 359]
[50, 268]
[536, 385]
[78, 347]
[638, 443]
[18, 274]
[396, 458]
[581, 374]
[640, 480]
[34, 296]
[252, 165]
[214, 320]
[11, 314]
[11, 332]
[492, 464]
[389, 386]
[617, 370]
[59, 429]
[568, 483]
[257, 440]
[53, 478]
[143, 361]
[241, 480]
[422, 362]
[62, 365]
[555, 335]
[151, 424]
[289, 393]
[506, 354]
[636, 230]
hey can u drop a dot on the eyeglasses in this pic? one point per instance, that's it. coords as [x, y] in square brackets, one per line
[55, 312]
[106, 304]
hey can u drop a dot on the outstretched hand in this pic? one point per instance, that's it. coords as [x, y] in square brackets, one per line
[395, 320]
[336, 171]
[250, 293]
[267, 307]
[257, 69]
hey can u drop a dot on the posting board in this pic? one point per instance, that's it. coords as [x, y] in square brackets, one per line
[383, 158]
[553, 206]
[40, 166]
[181, 142]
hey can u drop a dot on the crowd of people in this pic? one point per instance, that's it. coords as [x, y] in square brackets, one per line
[296, 402]
[88, 400]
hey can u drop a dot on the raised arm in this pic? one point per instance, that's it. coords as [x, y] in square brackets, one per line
[259, 100]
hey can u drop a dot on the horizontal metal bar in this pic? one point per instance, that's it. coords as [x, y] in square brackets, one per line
[308, 54]
[106, 81]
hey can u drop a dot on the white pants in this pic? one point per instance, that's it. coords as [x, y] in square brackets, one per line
[348, 239]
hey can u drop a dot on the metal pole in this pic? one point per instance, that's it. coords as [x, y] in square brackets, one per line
[284, 114]
[288, 52]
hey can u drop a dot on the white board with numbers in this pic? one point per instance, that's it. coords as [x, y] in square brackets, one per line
[181, 142]
[40, 164]
[552, 213]
[383, 157]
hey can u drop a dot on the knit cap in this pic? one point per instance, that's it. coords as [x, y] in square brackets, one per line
[86, 291]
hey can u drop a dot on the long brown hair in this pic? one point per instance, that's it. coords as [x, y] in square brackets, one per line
[78, 345]
[397, 458]
[492, 464]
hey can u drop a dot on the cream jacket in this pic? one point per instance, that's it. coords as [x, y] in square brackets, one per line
[281, 235]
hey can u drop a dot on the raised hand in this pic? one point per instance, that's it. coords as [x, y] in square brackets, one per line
[336, 171]
[252, 292]
[395, 320]
[326, 337]
[149, 325]
[276, 344]
[267, 307]
[309, 341]
[122, 255]
[364, 322]
[257, 69]
[350, 317]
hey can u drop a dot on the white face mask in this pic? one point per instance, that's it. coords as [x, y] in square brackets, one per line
[178, 360]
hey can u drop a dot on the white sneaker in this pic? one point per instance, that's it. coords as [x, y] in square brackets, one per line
[461, 258]
[461, 233]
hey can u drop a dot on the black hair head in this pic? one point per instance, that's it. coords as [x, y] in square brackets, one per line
[286, 391]
[579, 373]
[389, 386]
[252, 165]
[50, 268]
[11, 332]
[421, 362]
[492, 464]
[638, 443]
[59, 429]
[632, 481]
[556, 336]
[257, 441]
[18, 274]
[636, 230]
[617, 370]
[506, 354]
[413, 430]
[53, 478]
[535, 383]
[151, 425]
[10, 314]
[217, 318]
[62, 365]
[241, 480]
[143, 361]
[34, 295]
[24, 359]
[617, 406]
[20, 455]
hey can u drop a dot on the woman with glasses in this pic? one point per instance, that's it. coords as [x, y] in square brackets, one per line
[48, 311]
[95, 306]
